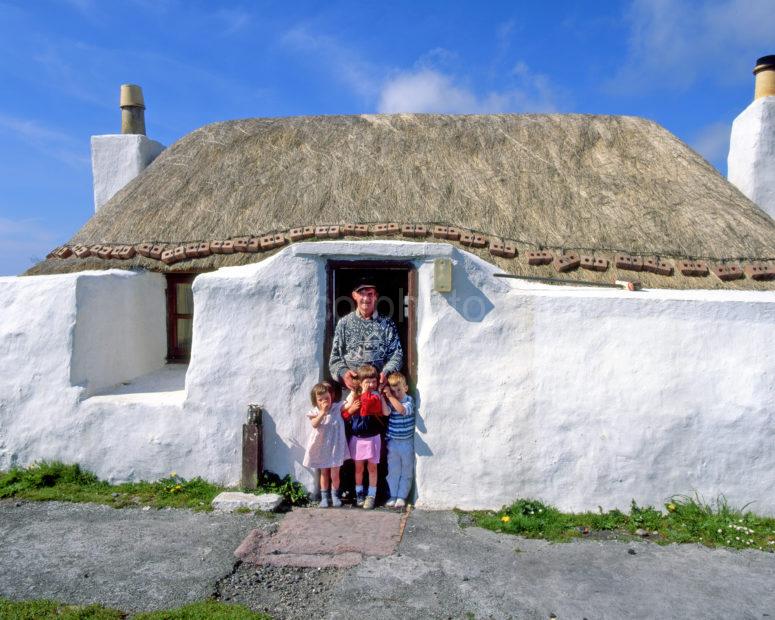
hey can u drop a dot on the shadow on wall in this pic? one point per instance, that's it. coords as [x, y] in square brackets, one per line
[285, 453]
[420, 447]
[466, 298]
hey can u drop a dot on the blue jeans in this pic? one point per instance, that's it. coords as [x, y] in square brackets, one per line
[400, 462]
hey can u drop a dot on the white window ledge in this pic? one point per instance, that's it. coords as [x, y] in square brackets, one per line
[165, 386]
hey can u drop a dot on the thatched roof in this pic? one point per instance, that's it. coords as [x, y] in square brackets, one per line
[594, 184]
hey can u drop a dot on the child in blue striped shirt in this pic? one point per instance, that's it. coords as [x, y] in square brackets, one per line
[400, 440]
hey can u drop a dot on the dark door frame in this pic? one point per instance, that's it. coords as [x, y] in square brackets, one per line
[410, 360]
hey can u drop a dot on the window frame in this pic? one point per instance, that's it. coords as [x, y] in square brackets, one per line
[174, 354]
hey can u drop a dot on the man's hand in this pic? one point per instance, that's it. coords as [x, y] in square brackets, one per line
[382, 378]
[348, 377]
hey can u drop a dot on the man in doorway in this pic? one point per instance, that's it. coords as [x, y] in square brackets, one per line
[365, 337]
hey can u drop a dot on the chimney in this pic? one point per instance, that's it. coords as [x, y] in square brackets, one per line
[765, 77]
[751, 161]
[116, 159]
[132, 109]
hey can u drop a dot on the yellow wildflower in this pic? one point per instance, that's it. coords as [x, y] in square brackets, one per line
[505, 518]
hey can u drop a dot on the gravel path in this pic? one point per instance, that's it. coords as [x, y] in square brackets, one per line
[142, 560]
[130, 559]
[287, 593]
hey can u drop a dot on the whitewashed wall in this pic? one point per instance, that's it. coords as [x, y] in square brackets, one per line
[587, 397]
[61, 338]
[256, 340]
[581, 397]
[120, 332]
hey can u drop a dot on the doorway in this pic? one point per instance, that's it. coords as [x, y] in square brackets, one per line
[396, 283]
[397, 286]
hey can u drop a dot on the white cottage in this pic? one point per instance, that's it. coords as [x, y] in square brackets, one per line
[215, 277]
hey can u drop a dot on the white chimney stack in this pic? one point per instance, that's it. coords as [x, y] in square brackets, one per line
[116, 159]
[751, 161]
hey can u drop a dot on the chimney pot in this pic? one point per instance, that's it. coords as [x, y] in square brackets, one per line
[132, 109]
[765, 77]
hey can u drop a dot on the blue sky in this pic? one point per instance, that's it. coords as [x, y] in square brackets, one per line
[686, 65]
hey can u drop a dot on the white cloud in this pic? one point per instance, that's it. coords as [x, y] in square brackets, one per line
[47, 141]
[428, 90]
[674, 44]
[30, 228]
[436, 82]
[22, 244]
[233, 20]
[712, 142]
[342, 62]
[425, 91]
[86, 73]
[85, 7]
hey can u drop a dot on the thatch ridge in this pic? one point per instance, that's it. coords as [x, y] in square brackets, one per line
[583, 182]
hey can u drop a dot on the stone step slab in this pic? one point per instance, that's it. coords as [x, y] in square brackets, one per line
[229, 501]
[318, 538]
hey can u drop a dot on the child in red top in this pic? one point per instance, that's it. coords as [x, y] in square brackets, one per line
[366, 408]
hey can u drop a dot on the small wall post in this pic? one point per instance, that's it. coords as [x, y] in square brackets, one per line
[252, 448]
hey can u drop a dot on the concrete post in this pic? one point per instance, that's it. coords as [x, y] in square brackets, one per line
[252, 448]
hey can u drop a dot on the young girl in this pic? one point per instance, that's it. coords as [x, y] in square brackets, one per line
[327, 446]
[365, 411]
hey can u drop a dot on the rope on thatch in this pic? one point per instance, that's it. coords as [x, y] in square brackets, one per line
[563, 261]
[557, 183]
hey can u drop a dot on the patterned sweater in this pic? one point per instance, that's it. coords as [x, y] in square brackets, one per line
[360, 341]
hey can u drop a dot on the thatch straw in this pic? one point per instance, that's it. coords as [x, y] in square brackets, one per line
[592, 183]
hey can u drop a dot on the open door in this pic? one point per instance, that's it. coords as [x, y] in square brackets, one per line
[397, 286]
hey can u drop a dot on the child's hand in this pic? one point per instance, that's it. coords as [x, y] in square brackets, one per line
[356, 404]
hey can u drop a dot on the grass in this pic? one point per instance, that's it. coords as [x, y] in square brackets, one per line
[684, 520]
[206, 610]
[48, 481]
[45, 610]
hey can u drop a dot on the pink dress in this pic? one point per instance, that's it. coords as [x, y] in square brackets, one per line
[327, 445]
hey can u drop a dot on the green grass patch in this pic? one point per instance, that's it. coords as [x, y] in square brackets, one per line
[684, 520]
[45, 610]
[49, 481]
[293, 492]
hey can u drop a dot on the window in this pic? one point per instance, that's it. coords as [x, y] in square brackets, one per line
[180, 316]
